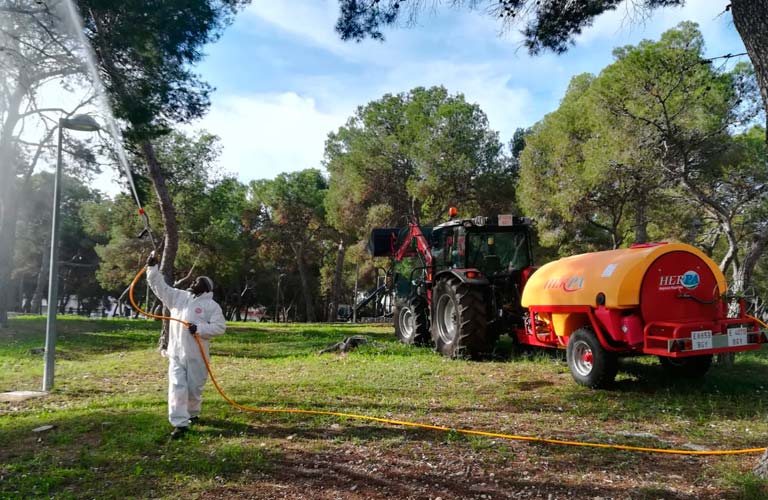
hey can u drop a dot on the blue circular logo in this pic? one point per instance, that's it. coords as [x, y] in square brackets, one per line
[690, 280]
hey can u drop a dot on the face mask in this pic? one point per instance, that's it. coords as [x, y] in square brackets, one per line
[199, 287]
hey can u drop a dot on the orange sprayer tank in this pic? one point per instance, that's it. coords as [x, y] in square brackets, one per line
[619, 275]
[627, 289]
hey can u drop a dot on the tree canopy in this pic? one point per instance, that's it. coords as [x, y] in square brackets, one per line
[655, 145]
[659, 145]
[549, 25]
[292, 226]
[415, 153]
[146, 52]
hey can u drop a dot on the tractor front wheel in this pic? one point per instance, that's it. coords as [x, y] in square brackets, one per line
[412, 322]
[459, 320]
[692, 367]
[590, 364]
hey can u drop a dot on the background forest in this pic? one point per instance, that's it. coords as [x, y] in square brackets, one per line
[662, 144]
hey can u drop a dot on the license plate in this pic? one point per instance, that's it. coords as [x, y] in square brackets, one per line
[506, 220]
[701, 340]
[737, 336]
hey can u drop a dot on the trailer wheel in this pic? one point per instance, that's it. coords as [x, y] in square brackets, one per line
[412, 322]
[693, 367]
[459, 322]
[590, 364]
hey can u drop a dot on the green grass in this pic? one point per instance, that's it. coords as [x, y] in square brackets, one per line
[111, 434]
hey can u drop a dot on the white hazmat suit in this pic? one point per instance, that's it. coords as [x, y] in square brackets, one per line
[186, 368]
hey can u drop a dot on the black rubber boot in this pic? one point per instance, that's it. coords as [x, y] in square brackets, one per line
[178, 432]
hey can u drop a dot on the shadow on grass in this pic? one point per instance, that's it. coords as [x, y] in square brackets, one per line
[746, 378]
[399, 476]
[519, 406]
[128, 454]
[642, 390]
[645, 390]
[382, 462]
[115, 454]
[79, 338]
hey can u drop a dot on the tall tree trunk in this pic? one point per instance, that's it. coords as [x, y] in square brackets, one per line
[755, 250]
[20, 294]
[337, 285]
[731, 256]
[167, 210]
[8, 205]
[37, 298]
[641, 222]
[168, 214]
[309, 300]
[8, 220]
[751, 20]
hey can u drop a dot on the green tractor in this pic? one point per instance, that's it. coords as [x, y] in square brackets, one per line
[458, 285]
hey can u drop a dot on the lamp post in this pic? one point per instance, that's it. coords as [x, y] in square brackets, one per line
[82, 123]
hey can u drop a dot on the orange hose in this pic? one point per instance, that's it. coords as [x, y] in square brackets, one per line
[757, 321]
[404, 423]
[140, 310]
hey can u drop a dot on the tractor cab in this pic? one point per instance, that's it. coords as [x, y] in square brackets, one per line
[497, 246]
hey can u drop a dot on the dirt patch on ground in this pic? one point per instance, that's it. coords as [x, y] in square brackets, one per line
[432, 469]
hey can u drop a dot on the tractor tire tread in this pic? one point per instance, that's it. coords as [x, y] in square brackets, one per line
[471, 339]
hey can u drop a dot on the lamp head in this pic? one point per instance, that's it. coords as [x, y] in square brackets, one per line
[81, 123]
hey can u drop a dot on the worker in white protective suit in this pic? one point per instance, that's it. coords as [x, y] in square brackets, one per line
[186, 369]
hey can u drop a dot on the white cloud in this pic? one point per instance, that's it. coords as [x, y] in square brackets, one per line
[616, 25]
[627, 24]
[311, 20]
[456, 33]
[267, 134]
[284, 130]
[314, 22]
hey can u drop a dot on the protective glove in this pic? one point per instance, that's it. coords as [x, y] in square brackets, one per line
[152, 259]
[192, 328]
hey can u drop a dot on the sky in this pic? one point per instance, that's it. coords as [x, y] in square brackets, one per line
[284, 79]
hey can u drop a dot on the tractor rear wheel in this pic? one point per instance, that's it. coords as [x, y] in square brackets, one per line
[590, 364]
[459, 320]
[412, 322]
[692, 367]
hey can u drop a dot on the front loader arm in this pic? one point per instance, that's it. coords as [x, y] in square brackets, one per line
[414, 233]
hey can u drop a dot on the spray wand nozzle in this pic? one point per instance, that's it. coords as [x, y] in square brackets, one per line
[146, 231]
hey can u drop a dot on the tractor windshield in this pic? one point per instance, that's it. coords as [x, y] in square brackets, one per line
[493, 252]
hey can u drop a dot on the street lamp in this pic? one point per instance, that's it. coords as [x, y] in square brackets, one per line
[80, 123]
